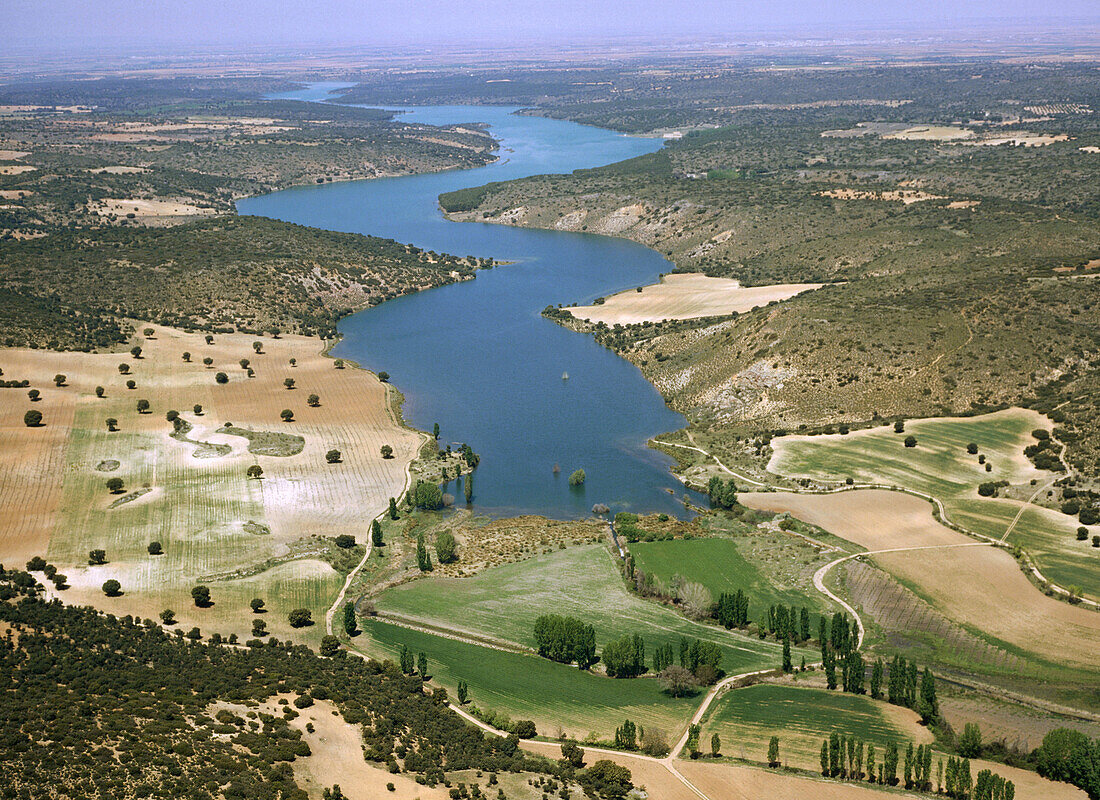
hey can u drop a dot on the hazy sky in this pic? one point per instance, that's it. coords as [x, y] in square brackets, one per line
[58, 24]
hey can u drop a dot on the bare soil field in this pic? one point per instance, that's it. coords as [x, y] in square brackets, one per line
[876, 519]
[337, 758]
[657, 779]
[978, 586]
[210, 518]
[154, 207]
[733, 782]
[685, 296]
[983, 586]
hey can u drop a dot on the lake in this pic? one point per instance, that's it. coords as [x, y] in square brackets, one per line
[477, 357]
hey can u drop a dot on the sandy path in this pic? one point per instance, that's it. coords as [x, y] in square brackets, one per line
[685, 296]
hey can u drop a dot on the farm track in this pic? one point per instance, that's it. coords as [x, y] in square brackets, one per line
[370, 542]
[941, 512]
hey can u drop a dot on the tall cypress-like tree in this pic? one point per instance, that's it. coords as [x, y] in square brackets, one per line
[350, 625]
[876, 679]
[468, 487]
[376, 533]
[787, 666]
[423, 559]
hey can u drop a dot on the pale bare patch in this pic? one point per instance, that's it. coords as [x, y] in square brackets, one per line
[16, 169]
[14, 194]
[118, 169]
[13, 155]
[905, 196]
[935, 133]
[1089, 149]
[685, 296]
[152, 207]
[1021, 140]
[338, 759]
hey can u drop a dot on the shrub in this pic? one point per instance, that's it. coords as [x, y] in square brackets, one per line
[112, 588]
[387, 451]
[142, 406]
[115, 485]
[255, 471]
[345, 541]
[99, 391]
[313, 401]
[910, 441]
[577, 478]
[112, 424]
[32, 419]
[972, 448]
[155, 549]
[287, 415]
[899, 426]
[201, 595]
[221, 377]
[131, 384]
[300, 618]
[34, 395]
[288, 383]
[333, 456]
[59, 379]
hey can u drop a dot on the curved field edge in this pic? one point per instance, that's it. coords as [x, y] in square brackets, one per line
[940, 466]
[504, 601]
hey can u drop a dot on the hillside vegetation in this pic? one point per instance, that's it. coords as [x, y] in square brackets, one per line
[117, 201]
[963, 269]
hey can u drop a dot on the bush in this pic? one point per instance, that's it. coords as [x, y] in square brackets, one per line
[387, 451]
[300, 618]
[333, 456]
[201, 595]
[32, 419]
[910, 441]
[112, 588]
[115, 485]
[155, 549]
[221, 377]
[1082, 533]
[287, 415]
[345, 541]
[577, 478]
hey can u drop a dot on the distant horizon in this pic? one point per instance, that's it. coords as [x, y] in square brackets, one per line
[116, 29]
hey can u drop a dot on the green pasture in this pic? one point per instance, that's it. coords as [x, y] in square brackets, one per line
[718, 564]
[745, 719]
[529, 687]
[504, 601]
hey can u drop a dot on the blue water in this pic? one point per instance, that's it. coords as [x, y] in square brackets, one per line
[477, 357]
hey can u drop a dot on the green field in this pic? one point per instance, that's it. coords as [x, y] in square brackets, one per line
[746, 719]
[504, 601]
[529, 687]
[719, 565]
[940, 466]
